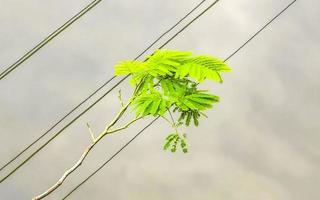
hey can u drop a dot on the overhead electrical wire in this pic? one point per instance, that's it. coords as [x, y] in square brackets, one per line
[139, 133]
[113, 156]
[99, 99]
[54, 125]
[50, 37]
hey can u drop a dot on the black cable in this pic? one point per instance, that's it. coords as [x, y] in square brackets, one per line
[61, 130]
[170, 29]
[48, 39]
[105, 163]
[82, 113]
[267, 24]
[56, 124]
[113, 156]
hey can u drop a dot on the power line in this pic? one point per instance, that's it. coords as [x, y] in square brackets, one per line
[97, 90]
[113, 156]
[48, 39]
[56, 124]
[61, 130]
[99, 99]
[267, 24]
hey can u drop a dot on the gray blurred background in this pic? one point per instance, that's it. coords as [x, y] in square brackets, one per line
[261, 142]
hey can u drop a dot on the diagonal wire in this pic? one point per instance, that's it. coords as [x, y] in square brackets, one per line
[46, 40]
[56, 124]
[99, 99]
[96, 91]
[113, 156]
[265, 26]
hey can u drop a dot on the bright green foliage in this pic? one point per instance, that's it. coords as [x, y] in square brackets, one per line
[150, 104]
[169, 80]
[202, 67]
[172, 142]
[197, 101]
[128, 67]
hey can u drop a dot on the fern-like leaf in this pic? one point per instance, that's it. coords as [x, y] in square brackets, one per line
[150, 104]
[170, 79]
[173, 89]
[172, 142]
[169, 58]
[198, 101]
[128, 67]
[202, 67]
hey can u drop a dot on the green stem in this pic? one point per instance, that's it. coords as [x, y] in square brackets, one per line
[167, 120]
[125, 126]
[173, 122]
[119, 115]
[91, 133]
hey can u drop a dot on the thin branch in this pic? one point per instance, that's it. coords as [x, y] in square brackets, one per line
[66, 173]
[119, 115]
[167, 120]
[88, 149]
[125, 126]
[173, 122]
[171, 117]
[120, 98]
[91, 133]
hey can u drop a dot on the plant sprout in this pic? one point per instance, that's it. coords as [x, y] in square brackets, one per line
[165, 83]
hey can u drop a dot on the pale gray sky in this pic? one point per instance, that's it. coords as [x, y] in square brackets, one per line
[261, 141]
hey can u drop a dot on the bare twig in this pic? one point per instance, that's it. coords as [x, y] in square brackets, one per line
[107, 131]
[91, 133]
[66, 174]
[120, 98]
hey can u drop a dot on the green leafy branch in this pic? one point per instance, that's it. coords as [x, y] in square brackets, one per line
[167, 81]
